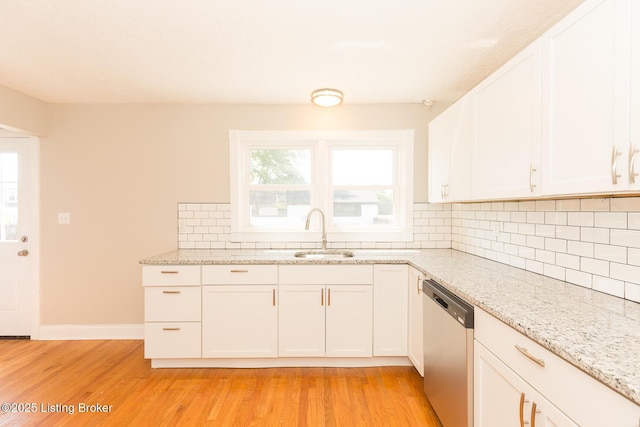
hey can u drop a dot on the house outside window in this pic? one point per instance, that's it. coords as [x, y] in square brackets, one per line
[361, 180]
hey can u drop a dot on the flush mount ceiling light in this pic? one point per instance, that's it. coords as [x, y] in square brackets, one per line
[326, 97]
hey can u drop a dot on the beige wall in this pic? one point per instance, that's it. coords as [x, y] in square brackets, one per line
[20, 112]
[121, 170]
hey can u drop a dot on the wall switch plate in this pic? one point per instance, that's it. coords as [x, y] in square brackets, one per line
[64, 218]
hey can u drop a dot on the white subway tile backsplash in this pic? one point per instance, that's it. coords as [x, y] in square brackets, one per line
[594, 266]
[609, 286]
[593, 243]
[611, 219]
[630, 238]
[611, 253]
[595, 235]
[580, 248]
[582, 219]
[600, 204]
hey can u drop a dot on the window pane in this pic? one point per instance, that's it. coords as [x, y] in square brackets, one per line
[279, 209]
[363, 207]
[362, 167]
[280, 166]
[8, 196]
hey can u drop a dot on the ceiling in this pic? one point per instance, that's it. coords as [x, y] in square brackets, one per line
[265, 52]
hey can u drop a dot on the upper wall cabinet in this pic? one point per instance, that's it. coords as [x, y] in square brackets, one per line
[634, 124]
[506, 147]
[450, 136]
[585, 121]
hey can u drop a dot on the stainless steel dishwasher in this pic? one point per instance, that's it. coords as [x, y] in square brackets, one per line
[448, 355]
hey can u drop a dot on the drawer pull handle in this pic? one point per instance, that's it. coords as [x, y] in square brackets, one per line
[170, 329]
[524, 351]
[169, 272]
[239, 271]
[170, 292]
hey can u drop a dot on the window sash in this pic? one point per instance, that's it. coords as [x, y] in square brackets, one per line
[320, 187]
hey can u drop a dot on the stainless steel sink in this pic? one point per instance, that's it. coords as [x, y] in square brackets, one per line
[320, 254]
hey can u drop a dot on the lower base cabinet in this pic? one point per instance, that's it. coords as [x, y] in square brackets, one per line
[318, 321]
[503, 399]
[239, 321]
[517, 382]
[415, 340]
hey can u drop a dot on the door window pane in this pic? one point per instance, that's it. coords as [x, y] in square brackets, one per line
[8, 196]
[362, 167]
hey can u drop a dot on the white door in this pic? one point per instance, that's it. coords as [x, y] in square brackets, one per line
[415, 344]
[18, 219]
[301, 323]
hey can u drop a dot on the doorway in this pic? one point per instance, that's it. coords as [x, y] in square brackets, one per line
[19, 236]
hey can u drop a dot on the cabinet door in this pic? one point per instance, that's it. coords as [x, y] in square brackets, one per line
[450, 136]
[504, 399]
[586, 100]
[506, 147]
[634, 122]
[239, 321]
[301, 323]
[439, 153]
[349, 321]
[390, 310]
[415, 349]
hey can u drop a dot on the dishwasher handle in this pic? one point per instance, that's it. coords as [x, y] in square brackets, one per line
[440, 301]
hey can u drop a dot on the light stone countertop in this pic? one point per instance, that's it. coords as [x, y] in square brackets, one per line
[598, 333]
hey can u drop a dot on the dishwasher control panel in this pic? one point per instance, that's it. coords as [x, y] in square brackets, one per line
[449, 302]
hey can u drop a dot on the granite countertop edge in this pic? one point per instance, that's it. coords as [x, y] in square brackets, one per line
[597, 333]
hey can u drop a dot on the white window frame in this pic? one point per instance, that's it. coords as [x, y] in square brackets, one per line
[322, 142]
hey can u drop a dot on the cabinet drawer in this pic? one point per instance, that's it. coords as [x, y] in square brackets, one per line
[239, 274]
[172, 340]
[174, 303]
[326, 274]
[566, 386]
[163, 275]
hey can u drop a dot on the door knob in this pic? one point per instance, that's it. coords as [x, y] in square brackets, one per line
[23, 252]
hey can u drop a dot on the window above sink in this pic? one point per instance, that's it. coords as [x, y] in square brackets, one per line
[362, 180]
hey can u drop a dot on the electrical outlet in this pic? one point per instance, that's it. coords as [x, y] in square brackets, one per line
[64, 218]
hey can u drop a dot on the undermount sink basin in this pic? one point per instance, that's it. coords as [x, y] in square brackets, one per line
[319, 254]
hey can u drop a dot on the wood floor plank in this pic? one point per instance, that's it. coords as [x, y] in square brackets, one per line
[115, 386]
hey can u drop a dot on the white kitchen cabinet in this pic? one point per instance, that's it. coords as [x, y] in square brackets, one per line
[506, 137]
[507, 364]
[326, 310]
[586, 85]
[634, 116]
[239, 311]
[390, 307]
[503, 399]
[239, 321]
[415, 349]
[450, 138]
[172, 312]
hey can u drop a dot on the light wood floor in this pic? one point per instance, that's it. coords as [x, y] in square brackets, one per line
[63, 375]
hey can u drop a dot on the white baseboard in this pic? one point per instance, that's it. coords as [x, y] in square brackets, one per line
[92, 332]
